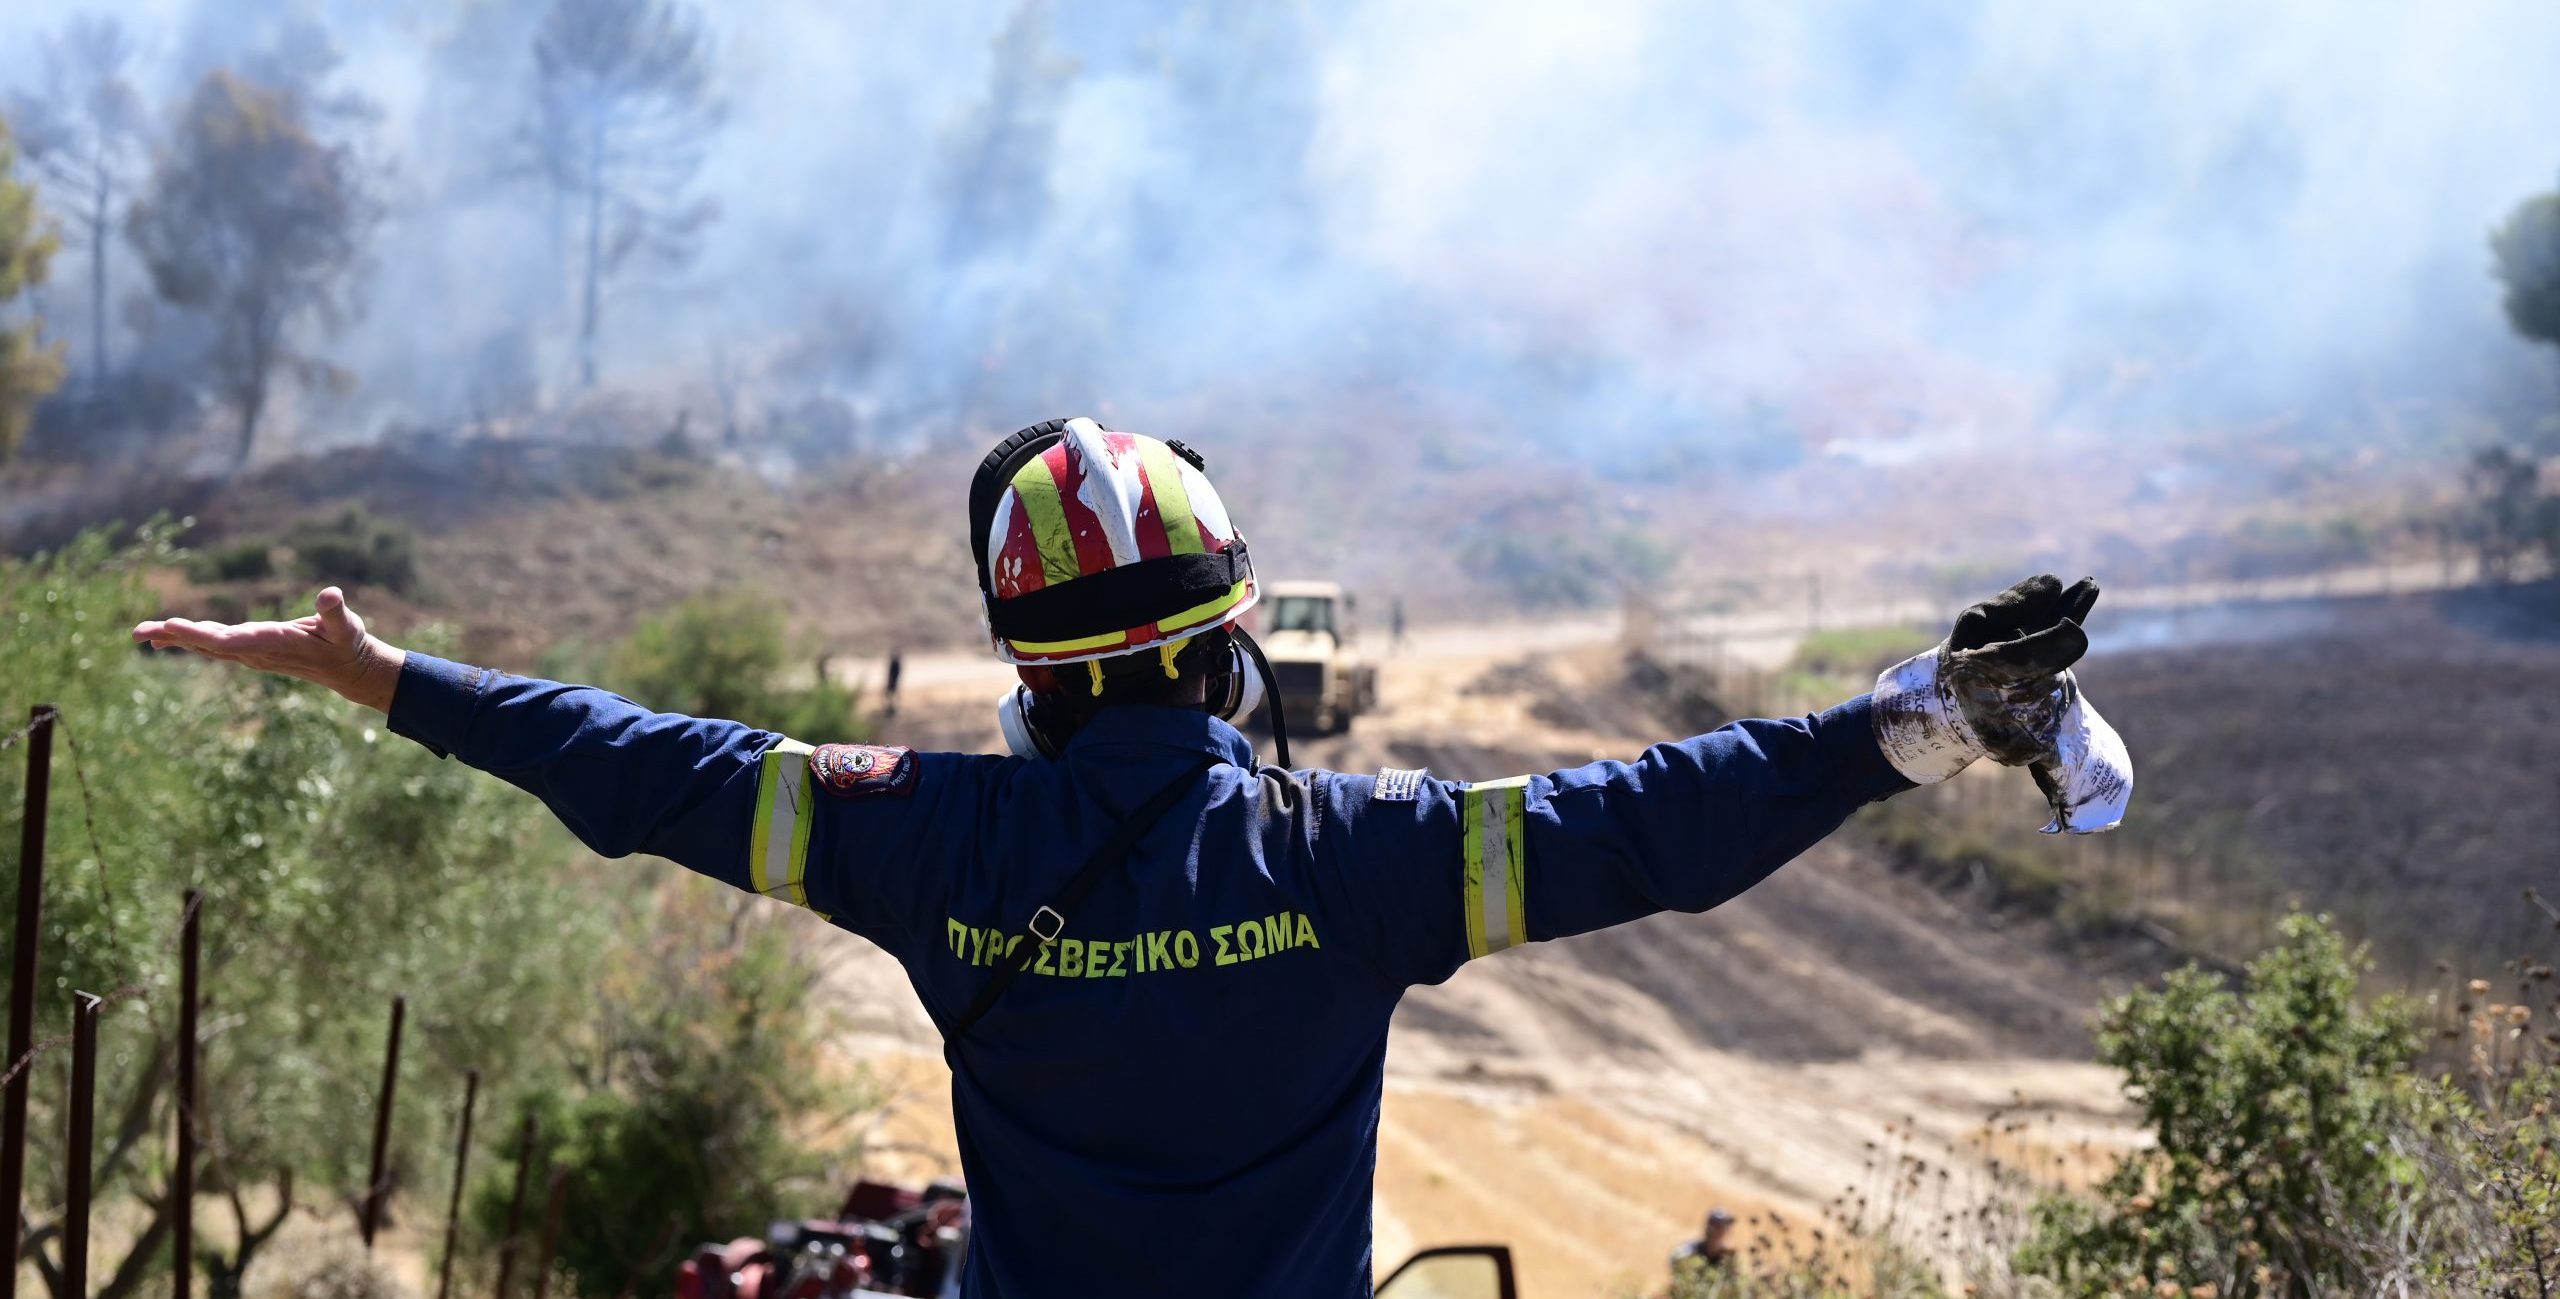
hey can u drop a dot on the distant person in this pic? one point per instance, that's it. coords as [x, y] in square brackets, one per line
[1395, 624]
[889, 693]
[1712, 1249]
[1163, 972]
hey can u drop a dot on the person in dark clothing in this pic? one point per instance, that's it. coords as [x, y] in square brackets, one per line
[1712, 1249]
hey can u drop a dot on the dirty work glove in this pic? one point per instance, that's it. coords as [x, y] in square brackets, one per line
[2000, 687]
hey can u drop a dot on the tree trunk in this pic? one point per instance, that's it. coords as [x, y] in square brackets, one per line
[258, 358]
[253, 402]
[595, 256]
[143, 1259]
[98, 285]
[222, 1276]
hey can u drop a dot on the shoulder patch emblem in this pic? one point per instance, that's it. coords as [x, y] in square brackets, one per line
[864, 770]
[1399, 784]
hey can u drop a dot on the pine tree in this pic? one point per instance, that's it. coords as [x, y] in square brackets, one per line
[256, 221]
[625, 107]
[85, 131]
[28, 368]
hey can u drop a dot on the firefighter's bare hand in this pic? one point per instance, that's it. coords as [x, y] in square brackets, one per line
[329, 647]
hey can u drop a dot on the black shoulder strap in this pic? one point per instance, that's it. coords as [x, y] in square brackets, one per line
[1051, 920]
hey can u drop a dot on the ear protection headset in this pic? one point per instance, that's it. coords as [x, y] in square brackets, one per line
[1037, 724]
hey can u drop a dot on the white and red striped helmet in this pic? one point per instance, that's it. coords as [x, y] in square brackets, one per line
[1093, 543]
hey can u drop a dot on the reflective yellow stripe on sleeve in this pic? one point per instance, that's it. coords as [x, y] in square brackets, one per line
[1496, 867]
[778, 848]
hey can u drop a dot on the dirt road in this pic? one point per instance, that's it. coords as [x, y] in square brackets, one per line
[1585, 1101]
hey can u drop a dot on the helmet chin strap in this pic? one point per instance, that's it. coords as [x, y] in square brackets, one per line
[1271, 696]
[1025, 737]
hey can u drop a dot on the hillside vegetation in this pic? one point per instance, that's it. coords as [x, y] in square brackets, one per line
[342, 866]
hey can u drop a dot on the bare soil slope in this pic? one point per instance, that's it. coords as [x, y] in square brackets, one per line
[527, 547]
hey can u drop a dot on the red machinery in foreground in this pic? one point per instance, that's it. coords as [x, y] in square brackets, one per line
[893, 1240]
[886, 1240]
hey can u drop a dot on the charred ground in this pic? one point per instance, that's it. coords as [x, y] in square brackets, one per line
[2395, 761]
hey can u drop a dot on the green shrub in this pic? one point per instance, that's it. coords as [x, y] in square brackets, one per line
[340, 866]
[2279, 1113]
[730, 656]
[356, 550]
[1848, 1265]
[2493, 1122]
[707, 1109]
[240, 561]
[668, 1038]
[1895, 1275]
[1859, 653]
[2519, 1176]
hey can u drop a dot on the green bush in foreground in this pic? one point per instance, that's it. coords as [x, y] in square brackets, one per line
[340, 866]
[1870, 1268]
[2276, 1110]
[665, 1033]
[704, 1110]
[2298, 1152]
[2496, 1126]
[2304, 1142]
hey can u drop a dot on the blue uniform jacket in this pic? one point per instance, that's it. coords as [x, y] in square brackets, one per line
[1181, 1098]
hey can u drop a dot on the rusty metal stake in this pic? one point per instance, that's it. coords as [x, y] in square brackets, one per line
[551, 1230]
[182, 1179]
[22, 980]
[373, 1188]
[515, 1209]
[461, 1166]
[84, 1111]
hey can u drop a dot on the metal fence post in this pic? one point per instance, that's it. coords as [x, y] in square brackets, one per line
[22, 980]
[550, 1231]
[182, 1178]
[515, 1209]
[461, 1167]
[84, 1109]
[373, 1188]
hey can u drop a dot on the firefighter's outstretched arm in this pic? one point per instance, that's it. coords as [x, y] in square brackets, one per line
[1424, 875]
[1427, 874]
[622, 778]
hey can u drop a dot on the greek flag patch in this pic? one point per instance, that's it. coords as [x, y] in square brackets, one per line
[1399, 784]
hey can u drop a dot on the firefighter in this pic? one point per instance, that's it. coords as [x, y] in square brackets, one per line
[1164, 973]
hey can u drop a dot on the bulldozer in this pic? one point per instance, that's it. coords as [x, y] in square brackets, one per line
[1310, 632]
[889, 1241]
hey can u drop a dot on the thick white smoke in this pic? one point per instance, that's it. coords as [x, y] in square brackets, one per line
[1865, 224]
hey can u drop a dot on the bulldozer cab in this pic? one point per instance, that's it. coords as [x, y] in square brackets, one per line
[1308, 637]
[1310, 613]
